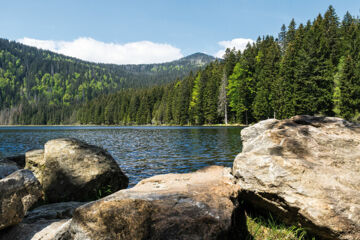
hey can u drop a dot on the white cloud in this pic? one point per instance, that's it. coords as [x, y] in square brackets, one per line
[238, 43]
[92, 50]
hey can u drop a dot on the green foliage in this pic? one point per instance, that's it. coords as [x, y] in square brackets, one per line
[266, 72]
[311, 69]
[177, 103]
[261, 228]
[29, 76]
[337, 85]
[350, 88]
[103, 191]
[241, 91]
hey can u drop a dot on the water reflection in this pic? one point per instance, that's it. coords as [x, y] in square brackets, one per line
[140, 151]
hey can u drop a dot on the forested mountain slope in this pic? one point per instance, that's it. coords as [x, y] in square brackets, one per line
[46, 83]
[311, 68]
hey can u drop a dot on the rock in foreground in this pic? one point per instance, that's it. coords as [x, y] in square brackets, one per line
[305, 169]
[18, 192]
[172, 206]
[71, 170]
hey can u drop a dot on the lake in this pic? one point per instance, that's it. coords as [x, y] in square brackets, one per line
[141, 152]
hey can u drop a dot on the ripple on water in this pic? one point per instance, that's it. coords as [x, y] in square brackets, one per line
[141, 152]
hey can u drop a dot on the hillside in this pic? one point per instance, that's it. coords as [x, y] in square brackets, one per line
[30, 76]
[310, 69]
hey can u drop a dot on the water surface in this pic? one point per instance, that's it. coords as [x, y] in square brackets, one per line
[141, 152]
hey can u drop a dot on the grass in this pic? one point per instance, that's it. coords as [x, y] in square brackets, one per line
[104, 191]
[269, 229]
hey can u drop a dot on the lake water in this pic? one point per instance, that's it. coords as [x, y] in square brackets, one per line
[141, 152]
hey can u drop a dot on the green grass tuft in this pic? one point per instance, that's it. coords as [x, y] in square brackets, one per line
[269, 229]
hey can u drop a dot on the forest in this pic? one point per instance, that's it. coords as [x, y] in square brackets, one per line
[42, 87]
[311, 68]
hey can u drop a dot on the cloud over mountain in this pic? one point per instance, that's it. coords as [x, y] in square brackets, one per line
[89, 49]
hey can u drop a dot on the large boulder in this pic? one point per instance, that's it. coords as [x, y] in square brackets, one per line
[48, 222]
[304, 170]
[7, 167]
[200, 205]
[72, 170]
[18, 192]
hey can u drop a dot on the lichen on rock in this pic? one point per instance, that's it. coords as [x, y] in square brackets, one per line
[304, 170]
[172, 206]
[18, 193]
[72, 170]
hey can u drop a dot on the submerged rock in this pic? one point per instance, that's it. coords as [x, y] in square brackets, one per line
[7, 168]
[18, 192]
[200, 205]
[11, 164]
[72, 170]
[304, 170]
[18, 159]
[47, 222]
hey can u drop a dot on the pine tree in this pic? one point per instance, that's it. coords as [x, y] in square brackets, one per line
[350, 89]
[241, 91]
[329, 45]
[282, 39]
[349, 74]
[290, 34]
[284, 87]
[267, 71]
[230, 60]
[197, 99]
[211, 92]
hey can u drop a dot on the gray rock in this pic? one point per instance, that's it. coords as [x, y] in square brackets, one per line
[48, 222]
[63, 210]
[71, 170]
[304, 170]
[18, 192]
[41, 230]
[200, 205]
[7, 167]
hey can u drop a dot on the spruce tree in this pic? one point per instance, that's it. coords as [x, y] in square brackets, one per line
[350, 89]
[282, 38]
[266, 73]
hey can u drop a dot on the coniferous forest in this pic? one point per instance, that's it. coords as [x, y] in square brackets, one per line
[42, 87]
[309, 68]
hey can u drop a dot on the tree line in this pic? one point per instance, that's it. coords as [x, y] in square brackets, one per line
[36, 84]
[311, 68]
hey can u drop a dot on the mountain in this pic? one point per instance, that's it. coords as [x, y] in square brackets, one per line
[34, 77]
[166, 72]
[312, 69]
[196, 59]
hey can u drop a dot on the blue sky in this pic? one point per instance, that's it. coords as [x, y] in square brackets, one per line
[152, 27]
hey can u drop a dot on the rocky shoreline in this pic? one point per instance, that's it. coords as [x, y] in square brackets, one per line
[304, 171]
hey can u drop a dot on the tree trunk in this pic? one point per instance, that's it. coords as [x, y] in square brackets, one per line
[246, 118]
[225, 117]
